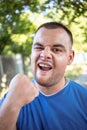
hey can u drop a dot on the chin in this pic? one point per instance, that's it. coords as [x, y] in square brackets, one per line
[41, 81]
[44, 82]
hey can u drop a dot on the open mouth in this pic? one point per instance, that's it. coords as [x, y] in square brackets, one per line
[44, 67]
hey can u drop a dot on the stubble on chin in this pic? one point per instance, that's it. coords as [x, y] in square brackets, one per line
[46, 82]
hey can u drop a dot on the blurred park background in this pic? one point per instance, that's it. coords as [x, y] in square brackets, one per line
[18, 21]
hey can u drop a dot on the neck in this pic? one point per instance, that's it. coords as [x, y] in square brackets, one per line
[52, 89]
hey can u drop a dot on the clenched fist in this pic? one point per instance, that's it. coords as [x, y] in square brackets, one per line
[21, 90]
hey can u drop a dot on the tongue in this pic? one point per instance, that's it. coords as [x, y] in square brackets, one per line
[45, 68]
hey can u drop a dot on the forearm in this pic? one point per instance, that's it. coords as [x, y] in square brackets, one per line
[21, 91]
[8, 116]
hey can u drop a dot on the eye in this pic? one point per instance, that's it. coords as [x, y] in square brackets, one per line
[56, 50]
[38, 48]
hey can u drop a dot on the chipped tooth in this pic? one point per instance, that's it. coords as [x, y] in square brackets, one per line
[43, 65]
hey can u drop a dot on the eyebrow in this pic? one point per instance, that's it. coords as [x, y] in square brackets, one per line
[55, 45]
[37, 44]
[59, 45]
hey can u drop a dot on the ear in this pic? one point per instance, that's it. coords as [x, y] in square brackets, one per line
[71, 57]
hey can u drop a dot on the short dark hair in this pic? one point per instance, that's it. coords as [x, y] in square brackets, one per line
[54, 25]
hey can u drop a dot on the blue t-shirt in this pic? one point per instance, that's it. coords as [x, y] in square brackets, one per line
[65, 110]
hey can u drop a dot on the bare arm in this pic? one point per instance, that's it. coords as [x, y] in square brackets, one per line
[21, 92]
[8, 116]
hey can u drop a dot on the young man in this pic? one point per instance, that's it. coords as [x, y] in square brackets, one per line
[50, 101]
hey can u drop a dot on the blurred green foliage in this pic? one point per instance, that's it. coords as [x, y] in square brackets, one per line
[20, 18]
[73, 71]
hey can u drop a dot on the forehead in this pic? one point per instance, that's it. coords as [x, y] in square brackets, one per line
[51, 36]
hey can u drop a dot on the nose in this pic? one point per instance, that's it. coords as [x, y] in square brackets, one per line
[46, 53]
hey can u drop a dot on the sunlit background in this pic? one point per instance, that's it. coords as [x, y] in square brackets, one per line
[18, 22]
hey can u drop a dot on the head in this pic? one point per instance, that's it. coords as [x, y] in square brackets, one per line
[51, 53]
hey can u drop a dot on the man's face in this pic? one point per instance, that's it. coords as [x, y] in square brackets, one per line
[51, 53]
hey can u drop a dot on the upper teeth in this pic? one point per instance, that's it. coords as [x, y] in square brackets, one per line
[43, 65]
